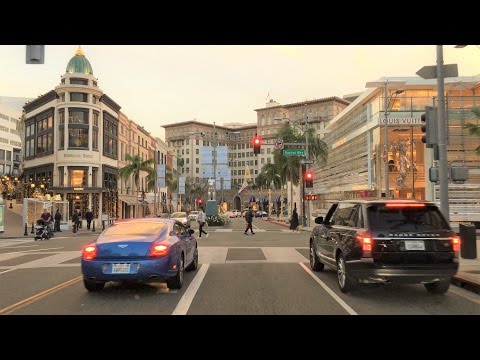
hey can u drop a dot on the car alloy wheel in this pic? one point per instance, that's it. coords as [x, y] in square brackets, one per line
[341, 271]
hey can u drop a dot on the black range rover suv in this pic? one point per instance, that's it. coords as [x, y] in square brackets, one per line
[381, 240]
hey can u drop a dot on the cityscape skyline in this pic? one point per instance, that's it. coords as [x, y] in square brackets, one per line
[221, 83]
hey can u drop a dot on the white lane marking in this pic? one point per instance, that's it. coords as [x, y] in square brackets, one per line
[6, 271]
[465, 294]
[29, 251]
[187, 298]
[342, 303]
[223, 230]
[18, 246]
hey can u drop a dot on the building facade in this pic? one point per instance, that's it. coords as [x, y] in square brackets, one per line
[358, 153]
[76, 138]
[10, 141]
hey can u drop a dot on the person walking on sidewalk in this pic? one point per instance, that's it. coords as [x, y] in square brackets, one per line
[89, 217]
[201, 222]
[58, 218]
[249, 219]
[294, 220]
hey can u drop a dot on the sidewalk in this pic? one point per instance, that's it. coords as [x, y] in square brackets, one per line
[468, 275]
[14, 227]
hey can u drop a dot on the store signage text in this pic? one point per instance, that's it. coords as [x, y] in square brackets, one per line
[78, 156]
[402, 121]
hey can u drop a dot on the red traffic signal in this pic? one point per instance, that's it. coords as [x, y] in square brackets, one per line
[257, 143]
[200, 201]
[308, 178]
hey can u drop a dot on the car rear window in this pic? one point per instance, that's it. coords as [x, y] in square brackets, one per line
[405, 218]
[178, 215]
[136, 228]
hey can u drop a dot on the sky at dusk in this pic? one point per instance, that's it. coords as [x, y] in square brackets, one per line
[157, 85]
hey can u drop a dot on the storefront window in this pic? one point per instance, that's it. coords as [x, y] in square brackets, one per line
[78, 138]
[78, 177]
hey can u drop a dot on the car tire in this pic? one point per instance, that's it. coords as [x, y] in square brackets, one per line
[439, 287]
[176, 282]
[315, 264]
[93, 286]
[194, 264]
[346, 282]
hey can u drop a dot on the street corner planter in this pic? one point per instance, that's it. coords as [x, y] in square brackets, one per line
[217, 221]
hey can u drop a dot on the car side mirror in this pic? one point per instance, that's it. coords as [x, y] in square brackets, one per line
[191, 231]
[319, 220]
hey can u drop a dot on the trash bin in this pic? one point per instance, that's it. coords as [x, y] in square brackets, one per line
[468, 246]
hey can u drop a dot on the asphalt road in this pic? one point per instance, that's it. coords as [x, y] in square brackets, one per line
[265, 273]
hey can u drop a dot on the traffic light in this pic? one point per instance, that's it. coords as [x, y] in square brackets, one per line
[200, 202]
[429, 127]
[310, 197]
[309, 179]
[257, 143]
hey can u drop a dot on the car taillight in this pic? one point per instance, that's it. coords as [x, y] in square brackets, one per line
[159, 249]
[89, 252]
[401, 205]
[366, 241]
[456, 243]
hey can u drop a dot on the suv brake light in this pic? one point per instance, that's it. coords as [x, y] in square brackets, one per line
[366, 241]
[159, 249]
[456, 244]
[401, 205]
[89, 252]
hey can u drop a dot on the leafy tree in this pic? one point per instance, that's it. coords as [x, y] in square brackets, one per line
[135, 166]
[474, 129]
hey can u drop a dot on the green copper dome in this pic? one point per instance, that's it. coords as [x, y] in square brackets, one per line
[79, 64]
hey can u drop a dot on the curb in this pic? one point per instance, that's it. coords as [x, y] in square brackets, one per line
[464, 281]
[283, 224]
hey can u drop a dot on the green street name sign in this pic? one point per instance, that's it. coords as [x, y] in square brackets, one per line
[293, 152]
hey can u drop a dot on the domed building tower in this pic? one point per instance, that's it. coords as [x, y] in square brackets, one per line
[71, 141]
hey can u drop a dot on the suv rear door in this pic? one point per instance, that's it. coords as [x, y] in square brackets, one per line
[411, 234]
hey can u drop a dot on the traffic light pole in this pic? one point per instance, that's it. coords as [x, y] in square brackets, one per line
[442, 147]
[307, 157]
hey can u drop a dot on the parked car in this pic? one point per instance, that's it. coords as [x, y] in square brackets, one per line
[261, 214]
[144, 250]
[193, 215]
[182, 217]
[382, 241]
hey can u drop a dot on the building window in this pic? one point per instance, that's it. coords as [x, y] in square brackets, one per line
[95, 118]
[197, 142]
[94, 177]
[62, 81]
[78, 137]
[110, 135]
[80, 97]
[9, 155]
[94, 99]
[94, 83]
[61, 117]
[61, 137]
[197, 170]
[78, 177]
[61, 176]
[78, 81]
[77, 116]
[196, 161]
[62, 97]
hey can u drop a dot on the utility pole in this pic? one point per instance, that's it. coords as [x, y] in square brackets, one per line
[138, 175]
[307, 157]
[155, 208]
[442, 147]
[214, 160]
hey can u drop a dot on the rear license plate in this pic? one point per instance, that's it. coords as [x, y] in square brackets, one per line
[415, 245]
[120, 268]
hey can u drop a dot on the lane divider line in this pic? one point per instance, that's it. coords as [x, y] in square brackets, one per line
[40, 295]
[342, 303]
[187, 298]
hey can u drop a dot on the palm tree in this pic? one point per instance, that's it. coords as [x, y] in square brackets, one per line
[136, 164]
[289, 165]
[474, 129]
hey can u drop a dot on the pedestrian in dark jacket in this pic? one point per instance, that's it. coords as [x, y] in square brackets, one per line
[58, 218]
[75, 220]
[89, 217]
[294, 220]
[249, 219]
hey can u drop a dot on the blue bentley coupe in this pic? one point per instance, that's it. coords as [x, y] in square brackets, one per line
[144, 250]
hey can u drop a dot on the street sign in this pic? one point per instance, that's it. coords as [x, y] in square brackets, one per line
[307, 162]
[279, 144]
[430, 72]
[293, 152]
